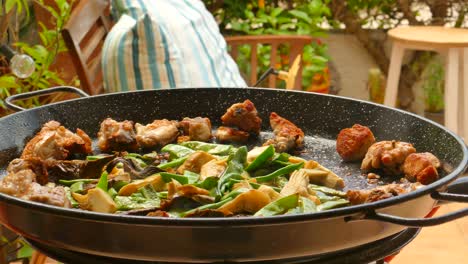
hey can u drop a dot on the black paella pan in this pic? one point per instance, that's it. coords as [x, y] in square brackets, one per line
[235, 239]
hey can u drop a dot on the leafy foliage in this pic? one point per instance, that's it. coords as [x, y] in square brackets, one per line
[44, 55]
[276, 18]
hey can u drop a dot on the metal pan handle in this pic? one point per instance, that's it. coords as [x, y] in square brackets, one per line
[69, 89]
[457, 192]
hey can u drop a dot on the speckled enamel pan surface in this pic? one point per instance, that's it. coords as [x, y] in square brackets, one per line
[320, 116]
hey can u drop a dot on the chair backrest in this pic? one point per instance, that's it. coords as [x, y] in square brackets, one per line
[296, 44]
[84, 35]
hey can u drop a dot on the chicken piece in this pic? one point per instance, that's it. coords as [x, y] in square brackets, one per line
[244, 116]
[54, 141]
[421, 167]
[198, 128]
[195, 161]
[387, 155]
[298, 183]
[158, 133]
[353, 143]
[22, 184]
[248, 202]
[287, 135]
[116, 136]
[228, 134]
[381, 192]
[213, 168]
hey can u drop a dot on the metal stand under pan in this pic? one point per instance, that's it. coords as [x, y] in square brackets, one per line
[374, 252]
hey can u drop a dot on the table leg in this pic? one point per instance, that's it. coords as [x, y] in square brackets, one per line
[465, 94]
[452, 90]
[391, 91]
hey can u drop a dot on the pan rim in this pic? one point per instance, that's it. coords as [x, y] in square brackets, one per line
[247, 221]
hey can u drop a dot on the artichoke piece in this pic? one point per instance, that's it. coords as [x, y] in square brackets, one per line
[156, 181]
[195, 161]
[96, 200]
[323, 176]
[248, 202]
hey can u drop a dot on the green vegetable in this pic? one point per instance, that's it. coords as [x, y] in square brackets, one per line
[77, 187]
[285, 170]
[148, 192]
[70, 198]
[332, 204]
[214, 149]
[208, 184]
[137, 160]
[162, 195]
[307, 206]
[327, 190]
[95, 157]
[112, 193]
[284, 157]
[192, 176]
[234, 169]
[119, 184]
[167, 177]
[256, 185]
[235, 193]
[261, 159]
[172, 163]
[279, 206]
[325, 198]
[207, 206]
[177, 151]
[102, 184]
[135, 201]
[70, 182]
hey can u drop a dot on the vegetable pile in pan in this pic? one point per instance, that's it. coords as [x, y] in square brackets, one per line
[174, 168]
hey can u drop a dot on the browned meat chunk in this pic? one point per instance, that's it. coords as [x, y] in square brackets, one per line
[388, 156]
[198, 128]
[287, 135]
[116, 136]
[381, 192]
[227, 134]
[244, 116]
[54, 141]
[353, 143]
[421, 167]
[158, 133]
[22, 184]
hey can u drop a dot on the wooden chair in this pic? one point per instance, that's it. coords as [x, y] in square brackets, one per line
[84, 36]
[451, 42]
[296, 44]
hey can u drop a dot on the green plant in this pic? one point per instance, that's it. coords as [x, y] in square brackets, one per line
[275, 18]
[44, 55]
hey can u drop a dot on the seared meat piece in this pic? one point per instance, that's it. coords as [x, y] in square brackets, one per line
[158, 133]
[381, 192]
[387, 155]
[244, 116]
[54, 141]
[421, 167]
[198, 128]
[287, 135]
[22, 184]
[353, 143]
[227, 134]
[116, 136]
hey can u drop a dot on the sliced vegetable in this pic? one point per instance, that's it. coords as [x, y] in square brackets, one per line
[102, 184]
[136, 201]
[214, 149]
[70, 198]
[172, 163]
[167, 177]
[285, 170]
[235, 168]
[156, 181]
[279, 206]
[332, 204]
[327, 190]
[70, 182]
[208, 183]
[208, 206]
[96, 200]
[77, 187]
[177, 151]
[192, 176]
[255, 185]
[261, 159]
[234, 193]
[112, 193]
